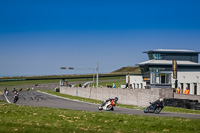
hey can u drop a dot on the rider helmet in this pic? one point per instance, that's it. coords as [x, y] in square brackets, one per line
[161, 99]
[116, 98]
[16, 92]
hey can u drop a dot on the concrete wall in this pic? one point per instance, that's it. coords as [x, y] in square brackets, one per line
[183, 96]
[138, 97]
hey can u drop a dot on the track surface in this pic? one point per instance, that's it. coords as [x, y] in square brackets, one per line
[34, 98]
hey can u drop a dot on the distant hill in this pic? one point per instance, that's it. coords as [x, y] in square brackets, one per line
[131, 70]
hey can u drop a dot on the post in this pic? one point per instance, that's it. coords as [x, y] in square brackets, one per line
[93, 79]
[174, 68]
[128, 80]
[97, 74]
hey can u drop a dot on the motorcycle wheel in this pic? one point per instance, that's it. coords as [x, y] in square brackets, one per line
[112, 109]
[100, 108]
[146, 110]
[109, 107]
[157, 110]
[15, 100]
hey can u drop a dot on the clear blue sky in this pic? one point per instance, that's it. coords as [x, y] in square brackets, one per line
[39, 36]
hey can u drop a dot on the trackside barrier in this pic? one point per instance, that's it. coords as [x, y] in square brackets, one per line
[138, 97]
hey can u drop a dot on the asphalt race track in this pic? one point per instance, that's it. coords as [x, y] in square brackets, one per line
[35, 98]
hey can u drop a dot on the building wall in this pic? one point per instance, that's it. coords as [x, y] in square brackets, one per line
[136, 81]
[138, 97]
[189, 78]
[185, 79]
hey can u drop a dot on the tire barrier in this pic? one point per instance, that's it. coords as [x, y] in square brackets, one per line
[182, 103]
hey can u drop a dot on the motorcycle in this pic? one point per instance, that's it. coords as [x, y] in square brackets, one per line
[6, 92]
[108, 105]
[16, 97]
[155, 107]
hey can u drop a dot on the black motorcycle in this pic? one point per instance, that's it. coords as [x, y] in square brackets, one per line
[154, 107]
[15, 98]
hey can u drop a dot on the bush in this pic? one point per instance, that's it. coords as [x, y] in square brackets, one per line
[57, 89]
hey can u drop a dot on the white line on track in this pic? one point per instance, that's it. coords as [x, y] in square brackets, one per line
[68, 98]
[6, 98]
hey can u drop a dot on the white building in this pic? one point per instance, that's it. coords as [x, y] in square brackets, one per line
[157, 72]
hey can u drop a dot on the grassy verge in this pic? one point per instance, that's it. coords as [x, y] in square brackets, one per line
[27, 82]
[180, 110]
[18, 118]
[32, 82]
[165, 109]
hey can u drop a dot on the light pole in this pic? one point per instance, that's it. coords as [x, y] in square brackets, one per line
[97, 70]
[97, 74]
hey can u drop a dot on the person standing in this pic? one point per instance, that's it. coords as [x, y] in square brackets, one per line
[187, 91]
[178, 90]
[114, 85]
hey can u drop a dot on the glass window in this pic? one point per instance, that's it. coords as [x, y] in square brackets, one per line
[195, 88]
[157, 76]
[156, 56]
[163, 78]
[150, 56]
[188, 86]
[160, 78]
[168, 78]
[182, 86]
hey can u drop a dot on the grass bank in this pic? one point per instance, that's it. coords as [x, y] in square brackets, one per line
[102, 81]
[18, 118]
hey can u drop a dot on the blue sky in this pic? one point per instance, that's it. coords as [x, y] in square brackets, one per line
[39, 36]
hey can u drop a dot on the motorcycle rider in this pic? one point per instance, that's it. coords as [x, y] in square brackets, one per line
[156, 102]
[115, 100]
[155, 107]
[6, 91]
[16, 96]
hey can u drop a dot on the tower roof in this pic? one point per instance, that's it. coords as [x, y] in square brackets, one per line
[168, 62]
[171, 51]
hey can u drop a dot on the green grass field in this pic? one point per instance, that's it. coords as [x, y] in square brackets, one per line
[102, 81]
[18, 118]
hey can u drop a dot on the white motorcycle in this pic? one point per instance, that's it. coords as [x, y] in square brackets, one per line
[108, 105]
[7, 92]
